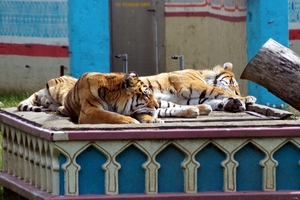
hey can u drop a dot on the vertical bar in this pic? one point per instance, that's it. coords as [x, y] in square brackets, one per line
[62, 70]
[181, 62]
[125, 63]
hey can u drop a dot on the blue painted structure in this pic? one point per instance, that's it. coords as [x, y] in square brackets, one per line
[256, 162]
[89, 36]
[210, 176]
[265, 19]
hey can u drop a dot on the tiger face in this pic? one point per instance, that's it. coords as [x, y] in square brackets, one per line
[137, 98]
[222, 77]
[113, 98]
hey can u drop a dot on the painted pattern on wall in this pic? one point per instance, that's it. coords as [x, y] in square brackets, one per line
[294, 20]
[33, 42]
[294, 25]
[228, 10]
[42, 23]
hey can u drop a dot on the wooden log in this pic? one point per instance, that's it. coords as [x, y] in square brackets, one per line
[276, 68]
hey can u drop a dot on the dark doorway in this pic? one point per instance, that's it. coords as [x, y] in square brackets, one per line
[137, 30]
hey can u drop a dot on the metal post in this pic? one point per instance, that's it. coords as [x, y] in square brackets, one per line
[125, 61]
[181, 61]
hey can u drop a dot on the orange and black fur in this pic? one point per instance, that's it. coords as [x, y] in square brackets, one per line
[50, 97]
[113, 98]
[216, 88]
[186, 93]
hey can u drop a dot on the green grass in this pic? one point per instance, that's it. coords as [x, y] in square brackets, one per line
[9, 100]
[12, 99]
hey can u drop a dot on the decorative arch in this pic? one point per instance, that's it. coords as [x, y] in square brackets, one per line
[288, 156]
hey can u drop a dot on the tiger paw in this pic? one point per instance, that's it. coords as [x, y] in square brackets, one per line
[145, 118]
[250, 99]
[156, 120]
[62, 111]
[191, 112]
[234, 105]
[184, 112]
[204, 109]
[129, 120]
[152, 120]
[37, 108]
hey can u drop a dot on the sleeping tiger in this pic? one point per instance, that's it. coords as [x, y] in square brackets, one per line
[50, 97]
[113, 98]
[128, 98]
[219, 76]
[216, 88]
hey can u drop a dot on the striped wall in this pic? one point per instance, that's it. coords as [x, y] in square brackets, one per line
[33, 43]
[294, 25]
[37, 22]
[220, 9]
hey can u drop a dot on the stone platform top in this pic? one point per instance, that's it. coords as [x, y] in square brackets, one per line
[218, 124]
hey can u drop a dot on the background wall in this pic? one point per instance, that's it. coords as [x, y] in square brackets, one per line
[34, 38]
[294, 25]
[89, 36]
[207, 34]
[33, 43]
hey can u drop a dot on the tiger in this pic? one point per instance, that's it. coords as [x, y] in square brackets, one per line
[216, 88]
[50, 97]
[111, 98]
[220, 76]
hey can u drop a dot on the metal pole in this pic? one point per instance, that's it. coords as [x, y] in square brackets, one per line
[181, 61]
[125, 61]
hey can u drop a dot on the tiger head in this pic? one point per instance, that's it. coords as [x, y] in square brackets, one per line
[222, 77]
[125, 94]
[142, 98]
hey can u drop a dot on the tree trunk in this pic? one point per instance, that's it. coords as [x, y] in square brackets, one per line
[276, 68]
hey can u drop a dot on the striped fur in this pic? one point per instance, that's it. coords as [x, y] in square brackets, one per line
[216, 88]
[187, 93]
[169, 109]
[113, 98]
[50, 97]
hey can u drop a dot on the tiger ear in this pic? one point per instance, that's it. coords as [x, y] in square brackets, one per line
[128, 80]
[228, 66]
